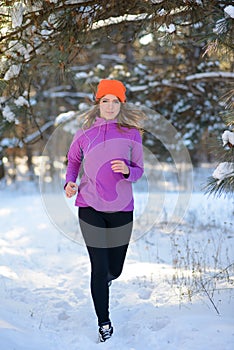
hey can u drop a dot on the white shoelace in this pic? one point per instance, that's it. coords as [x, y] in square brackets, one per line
[105, 332]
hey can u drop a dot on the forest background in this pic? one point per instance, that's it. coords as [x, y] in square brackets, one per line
[175, 58]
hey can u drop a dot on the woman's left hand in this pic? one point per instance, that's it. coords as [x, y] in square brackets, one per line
[119, 166]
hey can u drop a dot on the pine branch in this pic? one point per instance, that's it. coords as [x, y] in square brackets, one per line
[217, 188]
[228, 118]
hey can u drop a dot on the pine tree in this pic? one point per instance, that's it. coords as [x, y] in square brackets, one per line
[222, 180]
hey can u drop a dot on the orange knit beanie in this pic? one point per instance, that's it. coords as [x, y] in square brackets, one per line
[113, 87]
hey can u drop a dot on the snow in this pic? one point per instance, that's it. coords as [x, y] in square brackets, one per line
[162, 12]
[229, 10]
[156, 1]
[81, 75]
[21, 101]
[12, 72]
[100, 67]
[63, 94]
[119, 19]
[17, 14]
[210, 75]
[69, 2]
[17, 49]
[146, 39]
[10, 143]
[228, 137]
[136, 88]
[199, 2]
[223, 171]
[39, 132]
[63, 117]
[8, 115]
[171, 28]
[45, 299]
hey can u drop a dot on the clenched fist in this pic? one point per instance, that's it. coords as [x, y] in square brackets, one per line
[71, 189]
[119, 166]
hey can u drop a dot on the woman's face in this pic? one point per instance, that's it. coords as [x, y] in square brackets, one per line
[109, 106]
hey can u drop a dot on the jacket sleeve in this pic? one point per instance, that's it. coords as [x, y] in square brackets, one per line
[136, 166]
[74, 157]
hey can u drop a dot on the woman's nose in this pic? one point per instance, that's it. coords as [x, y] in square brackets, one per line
[110, 105]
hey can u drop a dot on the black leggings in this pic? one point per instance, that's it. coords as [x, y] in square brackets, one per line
[107, 237]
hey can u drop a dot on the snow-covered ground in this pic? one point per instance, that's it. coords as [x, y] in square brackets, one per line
[174, 293]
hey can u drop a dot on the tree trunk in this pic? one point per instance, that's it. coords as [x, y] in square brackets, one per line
[2, 169]
[29, 162]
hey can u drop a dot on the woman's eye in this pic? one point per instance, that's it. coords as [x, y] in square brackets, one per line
[106, 101]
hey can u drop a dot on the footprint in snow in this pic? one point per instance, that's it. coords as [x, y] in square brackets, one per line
[63, 316]
[145, 293]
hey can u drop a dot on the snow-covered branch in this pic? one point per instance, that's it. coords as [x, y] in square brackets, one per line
[8, 142]
[223, 171]
[228, 138]
[208, 75]
[119, 19]
[38, 133]
[63, 94]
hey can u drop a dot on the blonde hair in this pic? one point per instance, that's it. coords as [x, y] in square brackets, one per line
[129, 116]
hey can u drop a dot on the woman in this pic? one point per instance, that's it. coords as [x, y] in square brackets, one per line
[109, 146]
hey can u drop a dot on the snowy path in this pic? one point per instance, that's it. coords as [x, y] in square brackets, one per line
[45, 301]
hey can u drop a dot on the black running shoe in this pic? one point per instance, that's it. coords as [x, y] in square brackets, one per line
[105, 332]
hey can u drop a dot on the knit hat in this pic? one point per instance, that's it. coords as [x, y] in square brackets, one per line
[113, 87]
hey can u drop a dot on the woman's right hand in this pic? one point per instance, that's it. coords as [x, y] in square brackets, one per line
[71, 189]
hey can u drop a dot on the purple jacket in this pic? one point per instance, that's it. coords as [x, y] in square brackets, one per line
[96, 147]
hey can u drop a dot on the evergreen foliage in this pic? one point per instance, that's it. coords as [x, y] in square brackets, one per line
[222, 181]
